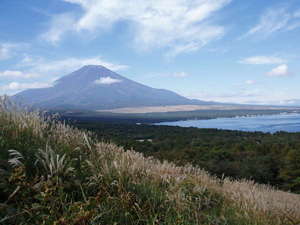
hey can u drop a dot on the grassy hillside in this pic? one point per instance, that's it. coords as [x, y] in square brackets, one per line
[55, 174]
[263, 157]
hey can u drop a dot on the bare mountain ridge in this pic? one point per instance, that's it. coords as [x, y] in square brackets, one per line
[98, 88]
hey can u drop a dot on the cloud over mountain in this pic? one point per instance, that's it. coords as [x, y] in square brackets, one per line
[107, 80]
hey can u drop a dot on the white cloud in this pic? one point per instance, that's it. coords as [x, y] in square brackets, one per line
[235, 96]
[4, 51]
[7, 50]
[180, 26]
[59, 25]
[250, 95]
[14, 87]
[64, 66]
[17, 74]
[279, 71]
[250, 82]
[44, 72]
[107, 80]
[260, 60]
[275, 20]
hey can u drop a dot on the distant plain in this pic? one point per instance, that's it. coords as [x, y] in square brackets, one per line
[187, 108]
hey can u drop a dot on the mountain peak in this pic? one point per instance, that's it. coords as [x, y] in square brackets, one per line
[87, 75]
[95, 87]
[93, 68]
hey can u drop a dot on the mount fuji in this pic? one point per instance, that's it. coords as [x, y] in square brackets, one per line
[95, 87]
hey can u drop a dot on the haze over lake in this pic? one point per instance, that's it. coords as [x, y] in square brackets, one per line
[264, 123]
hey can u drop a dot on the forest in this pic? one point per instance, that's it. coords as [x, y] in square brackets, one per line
[263, 157]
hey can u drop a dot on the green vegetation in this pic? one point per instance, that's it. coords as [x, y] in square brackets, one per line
[54, 174]
[263, 157]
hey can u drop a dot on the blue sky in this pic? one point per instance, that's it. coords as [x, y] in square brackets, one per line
[221, 50]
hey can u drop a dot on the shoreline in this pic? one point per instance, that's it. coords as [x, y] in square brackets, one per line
[265, 128]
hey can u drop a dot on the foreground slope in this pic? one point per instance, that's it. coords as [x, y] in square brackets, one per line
[96, 87]
[60, 175]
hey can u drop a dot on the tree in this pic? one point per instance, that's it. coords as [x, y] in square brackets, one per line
[291, 170]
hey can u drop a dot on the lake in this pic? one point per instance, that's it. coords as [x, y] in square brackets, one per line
[265, 123]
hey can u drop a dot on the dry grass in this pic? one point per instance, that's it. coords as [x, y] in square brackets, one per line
[253, 201]
[264, 199]
[249, 197]
[181, 108]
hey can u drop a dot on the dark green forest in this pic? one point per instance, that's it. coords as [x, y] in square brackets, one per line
[263, 157]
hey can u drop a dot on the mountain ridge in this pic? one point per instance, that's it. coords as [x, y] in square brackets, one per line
[94, 87]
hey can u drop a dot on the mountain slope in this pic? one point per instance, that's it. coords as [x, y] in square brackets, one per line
[96, 87]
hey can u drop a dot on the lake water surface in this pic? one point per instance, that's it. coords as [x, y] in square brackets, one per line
[265, 123]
